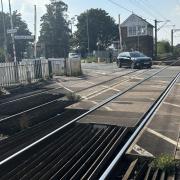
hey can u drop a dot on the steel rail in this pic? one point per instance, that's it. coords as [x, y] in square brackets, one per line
[31, 95]
[150, 113]
[45, 91]
[57, 99]
[80, 117]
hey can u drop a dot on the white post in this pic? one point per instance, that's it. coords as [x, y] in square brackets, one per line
[35, 32]
[120, 35]
[12, 34]
[4, 28]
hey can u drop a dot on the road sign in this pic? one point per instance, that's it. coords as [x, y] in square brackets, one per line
[24, 37]
[11, 31]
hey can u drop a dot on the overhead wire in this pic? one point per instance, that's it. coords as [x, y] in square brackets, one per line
[139, 6]
[126, 9]
[117, 4]
[152, 8]
[147, 12]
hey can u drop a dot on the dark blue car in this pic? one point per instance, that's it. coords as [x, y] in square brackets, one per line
[134, 60]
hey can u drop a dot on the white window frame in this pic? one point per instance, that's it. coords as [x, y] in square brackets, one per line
[134, 32]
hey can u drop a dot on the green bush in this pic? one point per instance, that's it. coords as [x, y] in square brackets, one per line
[165, 162]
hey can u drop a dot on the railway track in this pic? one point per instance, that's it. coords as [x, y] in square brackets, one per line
[42, 91]
[50, 120]
[33, 108]
[94, 146]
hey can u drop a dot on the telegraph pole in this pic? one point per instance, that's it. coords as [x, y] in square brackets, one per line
[12, 34]
[172, 39]
[4, 29]
[120, 35]
[155, 46]
[35, 32]
[173, 31]
[88, 30]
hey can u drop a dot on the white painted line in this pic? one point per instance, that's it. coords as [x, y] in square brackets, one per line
[112, 87]
[142, 151]
[94, 102]
[108, 108]
[90, 82]
[65, 87]
[175, 105]
[162, 136]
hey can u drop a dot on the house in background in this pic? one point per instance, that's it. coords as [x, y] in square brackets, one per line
[137, 34]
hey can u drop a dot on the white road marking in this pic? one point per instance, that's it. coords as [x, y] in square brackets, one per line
[94, 102]
[90, 82]
[151, 99]
[66, 88]
[162, 136]
[175, 105]
[142, 151]
[108, 108]
[112, 87]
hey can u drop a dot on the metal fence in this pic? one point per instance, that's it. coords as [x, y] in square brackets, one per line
[28, 71]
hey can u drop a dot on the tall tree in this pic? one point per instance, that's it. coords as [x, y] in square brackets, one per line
[22, 29]
[55, 32]
[99, 26]
[163, 47]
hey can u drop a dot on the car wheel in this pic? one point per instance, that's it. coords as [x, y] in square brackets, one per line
[140, 66]
[119, 64]
[132, 65]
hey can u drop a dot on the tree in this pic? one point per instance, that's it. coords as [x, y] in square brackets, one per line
[55, 32]
[22, 29]
[2, 57]
[163, 47]
[101, 28]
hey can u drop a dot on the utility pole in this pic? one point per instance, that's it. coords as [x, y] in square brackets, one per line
[120, 35]
[172, 39]
[35, 32]
[12, 35]
[156, 30]
[155, 46]
[173, 31]
[4, 29]
[88, 31]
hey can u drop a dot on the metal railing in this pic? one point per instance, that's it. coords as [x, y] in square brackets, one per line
[29, 71]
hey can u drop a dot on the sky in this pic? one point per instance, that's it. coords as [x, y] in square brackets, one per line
[162, 10]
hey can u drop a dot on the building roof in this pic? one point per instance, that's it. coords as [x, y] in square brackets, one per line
[134, 16]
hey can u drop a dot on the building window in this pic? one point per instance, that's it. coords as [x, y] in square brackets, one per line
[136, 30]
[141, 30]
[132, 31]
[150, 32]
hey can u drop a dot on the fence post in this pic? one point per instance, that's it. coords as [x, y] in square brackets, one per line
[65, 67]
[28, 73]
[37, 69]
[50, 69]
[16, 74]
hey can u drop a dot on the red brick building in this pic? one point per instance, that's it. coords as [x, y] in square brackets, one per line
[137, 34]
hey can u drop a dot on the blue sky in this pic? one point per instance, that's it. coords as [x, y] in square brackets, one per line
[148, 9]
